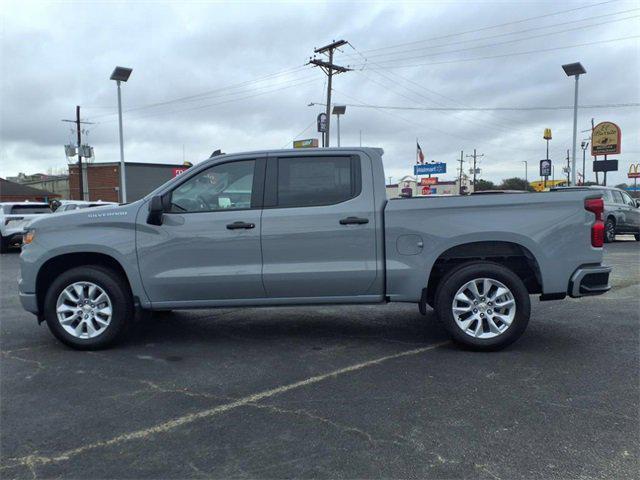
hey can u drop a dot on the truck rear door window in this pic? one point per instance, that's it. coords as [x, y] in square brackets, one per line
[29, 209]
[314, 181]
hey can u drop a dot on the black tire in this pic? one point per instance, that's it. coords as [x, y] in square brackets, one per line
[637, 235]
[609, 230]
[4, 246]
[121, 301]
[455, 280]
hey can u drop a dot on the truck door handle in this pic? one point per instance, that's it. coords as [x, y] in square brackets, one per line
[239, 225]
[354, 221]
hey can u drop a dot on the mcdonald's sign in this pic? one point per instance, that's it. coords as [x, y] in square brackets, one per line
[634, 171]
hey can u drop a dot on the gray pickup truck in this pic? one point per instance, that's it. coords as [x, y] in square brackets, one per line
[311, 227]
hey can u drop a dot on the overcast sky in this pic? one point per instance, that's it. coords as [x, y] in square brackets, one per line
[232, 75]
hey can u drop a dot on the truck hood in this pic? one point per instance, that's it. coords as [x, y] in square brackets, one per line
[93, 217]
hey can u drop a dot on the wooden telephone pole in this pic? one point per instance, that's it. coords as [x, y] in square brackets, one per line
[329, 68]
[79, 123]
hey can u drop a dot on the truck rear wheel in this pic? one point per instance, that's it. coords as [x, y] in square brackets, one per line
[88, 308]
[483, 305]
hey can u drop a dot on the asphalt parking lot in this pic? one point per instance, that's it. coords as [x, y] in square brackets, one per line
[329, 392]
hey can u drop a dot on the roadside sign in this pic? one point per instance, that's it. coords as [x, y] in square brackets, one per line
[322, 122]
[306, 143]
[406, 192]
[605, 166]
[425, 181]
[605, 139]
[634, 171]
[429, 168]
[547, 134]
[426, 191]
[179, 171]
[545, 168]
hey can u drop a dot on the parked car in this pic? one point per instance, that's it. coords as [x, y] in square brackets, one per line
[14, 216]
[289, 227]
[68, 205]
[621, 212]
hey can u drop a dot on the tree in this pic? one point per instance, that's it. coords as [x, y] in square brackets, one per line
[484, 185]
[516, 183]
[622, 186]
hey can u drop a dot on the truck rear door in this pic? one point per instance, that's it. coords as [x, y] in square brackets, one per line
[318, 226]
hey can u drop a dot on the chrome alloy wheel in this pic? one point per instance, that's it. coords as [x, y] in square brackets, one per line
[84, 310]
[484, 308]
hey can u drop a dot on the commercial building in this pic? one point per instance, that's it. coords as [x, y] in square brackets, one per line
[15, 192]
[101, 181]
[437, 187]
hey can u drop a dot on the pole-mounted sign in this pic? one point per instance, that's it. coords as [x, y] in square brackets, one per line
[322, 122]
[429, 168]
[545, 168]
[605, 139]
[634, 171]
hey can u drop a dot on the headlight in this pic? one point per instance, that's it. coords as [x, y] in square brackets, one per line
[28, 237]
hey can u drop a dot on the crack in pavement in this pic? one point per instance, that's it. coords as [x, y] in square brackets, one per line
[169, 425]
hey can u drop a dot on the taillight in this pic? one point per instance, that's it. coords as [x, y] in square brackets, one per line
[596, 206]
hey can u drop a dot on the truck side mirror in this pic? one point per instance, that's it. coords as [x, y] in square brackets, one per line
[156, 209]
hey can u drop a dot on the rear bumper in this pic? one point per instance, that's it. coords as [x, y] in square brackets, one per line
[589, 280]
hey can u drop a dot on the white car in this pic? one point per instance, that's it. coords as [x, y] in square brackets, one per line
[68, 205]
[14, 217]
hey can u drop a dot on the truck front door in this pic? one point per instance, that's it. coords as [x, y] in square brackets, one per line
[318, 226]
[208, 246]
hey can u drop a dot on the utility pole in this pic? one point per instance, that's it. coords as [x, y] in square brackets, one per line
[475, 157]
[329, 68]
[568, 169]
[79, 123]
[460, 178]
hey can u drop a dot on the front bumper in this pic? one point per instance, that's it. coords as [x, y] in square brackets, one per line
[13, 237]
[589, 280]
[28, 300]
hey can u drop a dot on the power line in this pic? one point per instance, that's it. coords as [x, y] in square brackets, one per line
[491, 27]
[209, 93]
[513, 54]
[489, 109]
[537, 28]
[497, 44]
[154, 114]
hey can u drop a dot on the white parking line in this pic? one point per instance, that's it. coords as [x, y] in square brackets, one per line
[34, 460]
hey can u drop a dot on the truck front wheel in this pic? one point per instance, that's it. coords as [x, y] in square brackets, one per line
[88, 308]
[483, 305]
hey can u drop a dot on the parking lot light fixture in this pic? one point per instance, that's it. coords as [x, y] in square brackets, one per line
[337, 111]
[121, 74]
[574, 70]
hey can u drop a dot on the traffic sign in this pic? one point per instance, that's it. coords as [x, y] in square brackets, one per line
[429, 168]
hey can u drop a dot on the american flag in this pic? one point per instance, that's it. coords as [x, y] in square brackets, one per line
[420, 155]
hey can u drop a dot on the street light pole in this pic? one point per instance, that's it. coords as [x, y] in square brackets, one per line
[123, 182]
[337, 111]
[574, 70]
[575, 133]
[121, 74]
[526, 168]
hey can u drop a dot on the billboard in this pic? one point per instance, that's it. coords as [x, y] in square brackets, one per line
[306, 143]
[429, 168]
[605, 166]
[605, 139]
[425, 181]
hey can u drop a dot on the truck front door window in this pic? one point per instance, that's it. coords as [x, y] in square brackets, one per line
[222, 187]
